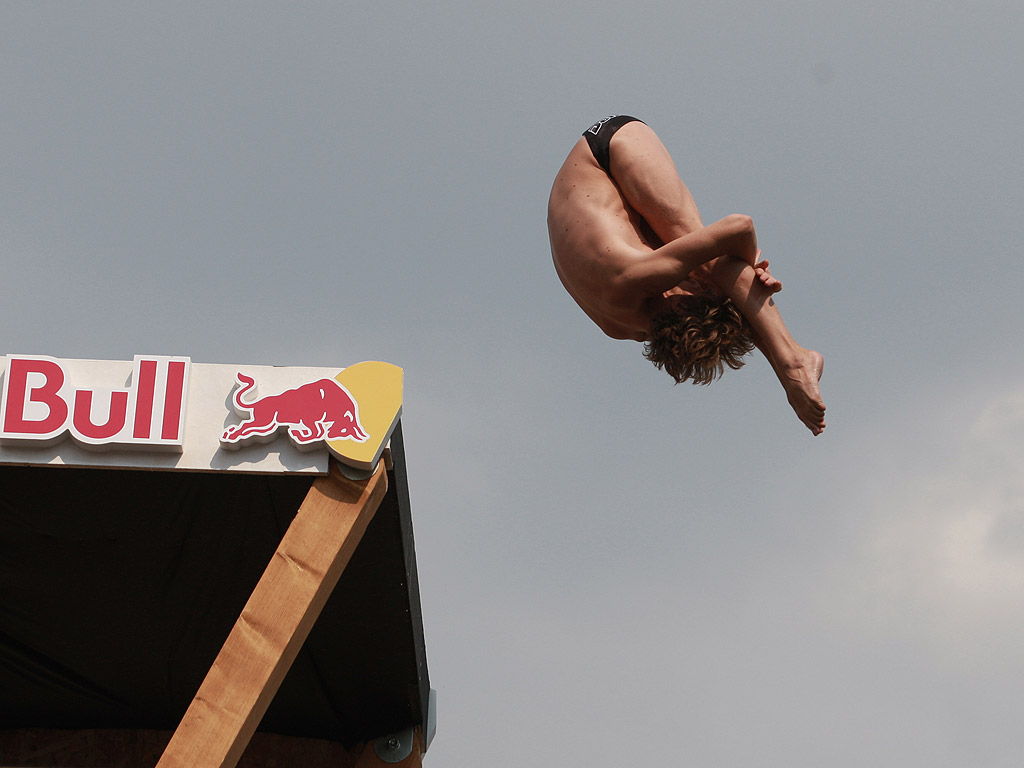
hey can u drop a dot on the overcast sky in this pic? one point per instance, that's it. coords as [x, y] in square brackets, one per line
[614, 570]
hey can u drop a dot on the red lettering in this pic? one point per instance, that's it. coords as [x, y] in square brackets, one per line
[39, 404]
[115, 418]
[20, 394]
[145, 386]
[173, 399]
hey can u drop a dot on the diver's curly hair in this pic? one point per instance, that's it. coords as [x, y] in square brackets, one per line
[697, 339]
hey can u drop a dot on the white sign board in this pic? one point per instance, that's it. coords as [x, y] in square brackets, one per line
[164, 412]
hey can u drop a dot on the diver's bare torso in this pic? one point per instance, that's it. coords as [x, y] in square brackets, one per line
[594, 236]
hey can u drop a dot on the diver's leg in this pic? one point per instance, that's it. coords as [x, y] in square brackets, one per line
[798, 369]
[643, 170]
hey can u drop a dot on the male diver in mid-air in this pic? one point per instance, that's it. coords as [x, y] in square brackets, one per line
[630, 247]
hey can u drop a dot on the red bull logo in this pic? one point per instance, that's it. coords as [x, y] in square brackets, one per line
[166, 412]
[311, 413]
[353, 414]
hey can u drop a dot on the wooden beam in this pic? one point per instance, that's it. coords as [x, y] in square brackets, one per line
[275, 621]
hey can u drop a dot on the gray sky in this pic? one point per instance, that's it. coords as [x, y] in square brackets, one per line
[615, 571]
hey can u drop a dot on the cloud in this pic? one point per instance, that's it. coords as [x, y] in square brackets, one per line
[941, 564]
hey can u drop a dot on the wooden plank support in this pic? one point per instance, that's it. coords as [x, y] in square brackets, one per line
[275, 621]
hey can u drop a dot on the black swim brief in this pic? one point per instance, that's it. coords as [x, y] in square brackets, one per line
[599, 136]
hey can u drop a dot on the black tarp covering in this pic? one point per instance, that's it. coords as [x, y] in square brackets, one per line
[118, 588]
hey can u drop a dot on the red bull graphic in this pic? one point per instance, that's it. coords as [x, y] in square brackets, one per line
[41, 405]
[311, 413]
[168, 413]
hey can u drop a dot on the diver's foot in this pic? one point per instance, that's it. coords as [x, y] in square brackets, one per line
[800, 380]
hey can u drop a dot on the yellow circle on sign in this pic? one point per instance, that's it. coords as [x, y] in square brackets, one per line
[377, 389]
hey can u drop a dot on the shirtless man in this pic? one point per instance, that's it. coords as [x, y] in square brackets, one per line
[630, 247]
